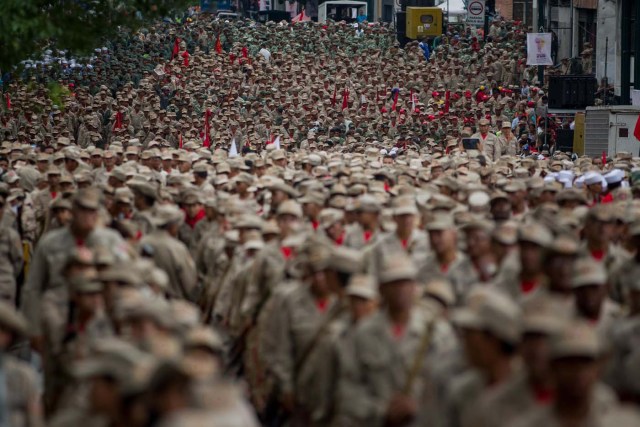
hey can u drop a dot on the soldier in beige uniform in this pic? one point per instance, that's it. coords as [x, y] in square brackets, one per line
[11, 258]
[406, 238]
[20, 402]
[54, 248]
[491, 329]
[394, 354]
[445, 260]
[303, 318]
[508, 141]
[367, 230]
[490, 143]
[575, 354]
[169, 253]
[531, 388]
[592, 303]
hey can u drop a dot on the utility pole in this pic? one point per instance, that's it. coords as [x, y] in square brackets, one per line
[541, 24]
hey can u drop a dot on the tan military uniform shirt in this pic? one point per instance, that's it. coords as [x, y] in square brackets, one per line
[172, 256]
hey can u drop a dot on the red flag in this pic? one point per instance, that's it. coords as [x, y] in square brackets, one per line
[218, 45]
[207, 129]
[395, 100]
[345, 99]
[447, 98]
[118, 123]
[176, 48]
[636, 131]
[8, 99]
[333, 99]
[245, 52]
[180, 141]
[185, 55]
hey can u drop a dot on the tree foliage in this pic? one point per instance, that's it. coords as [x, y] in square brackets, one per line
[28, 26]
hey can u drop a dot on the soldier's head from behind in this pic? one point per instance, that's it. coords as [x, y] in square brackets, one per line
[491, 326]
[168, 217]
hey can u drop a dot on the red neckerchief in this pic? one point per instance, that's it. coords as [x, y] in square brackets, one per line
[543, 396]
[398, 330]
[80, 242]
[405, 243]
[598, 254]
[54, 194]
[191, 222]
[367, 236]
[527, 286]
[444, 268]
[322, 304]
[287, 251]
[607, 199]
[340, 240]
[315, 224]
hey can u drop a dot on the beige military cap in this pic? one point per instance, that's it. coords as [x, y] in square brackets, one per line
[191, 198]
[88, 198]
[290, 207]
[535, 233]
[397, 267]
[145, 188]
[312, 197]
[362, 286]
[60, 203]
[588, 273]
[329, 217]
[368, 203]
[441, 222]
[494, 312]
[577, 338]
[441, 290]
[404, 205]
[249, 221]
[204, 337]
[167, 214]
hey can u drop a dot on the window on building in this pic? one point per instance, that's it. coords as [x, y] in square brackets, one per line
[523, 11]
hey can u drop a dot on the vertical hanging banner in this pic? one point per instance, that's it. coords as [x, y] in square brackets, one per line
[475, 12]
[539, 49]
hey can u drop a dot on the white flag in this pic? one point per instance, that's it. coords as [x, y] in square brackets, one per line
[539, 49]
[277, 142]
[233, 150]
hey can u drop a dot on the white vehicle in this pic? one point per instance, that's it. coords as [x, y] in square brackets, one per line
[342, 10]
[610, 129]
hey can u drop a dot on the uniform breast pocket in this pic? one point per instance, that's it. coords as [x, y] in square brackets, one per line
[376, 359]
